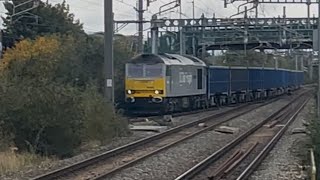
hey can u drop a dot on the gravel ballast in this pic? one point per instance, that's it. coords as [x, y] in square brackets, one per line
[289, 156]
[176, 160]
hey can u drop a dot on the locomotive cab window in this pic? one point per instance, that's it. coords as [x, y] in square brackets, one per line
[199, 73]
[134, 70]
[144, 70]
[154, 70]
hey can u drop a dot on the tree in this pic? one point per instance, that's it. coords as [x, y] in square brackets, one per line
[45, 19]
[45, 97]
[253, 59]
[123, 52]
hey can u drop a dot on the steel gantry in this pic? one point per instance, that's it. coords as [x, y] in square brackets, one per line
[218, 34]
[274, 1]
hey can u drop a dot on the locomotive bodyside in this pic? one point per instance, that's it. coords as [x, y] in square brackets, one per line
[164, 83]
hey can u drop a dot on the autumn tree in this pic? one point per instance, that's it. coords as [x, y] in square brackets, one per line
[87, 66]
[45, 96]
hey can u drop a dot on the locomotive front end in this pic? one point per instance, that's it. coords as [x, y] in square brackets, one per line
[145, 86]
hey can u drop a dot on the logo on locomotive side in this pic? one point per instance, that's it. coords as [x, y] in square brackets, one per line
[185, 77]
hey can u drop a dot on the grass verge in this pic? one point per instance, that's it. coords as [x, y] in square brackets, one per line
[12, 162]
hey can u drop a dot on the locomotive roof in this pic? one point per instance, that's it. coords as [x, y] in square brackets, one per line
[168, 59]
[258, 68]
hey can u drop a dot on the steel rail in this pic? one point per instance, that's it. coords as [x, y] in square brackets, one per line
[263, 154]
[216, 155]
[134, 118]
[106, 174]
[111, 153]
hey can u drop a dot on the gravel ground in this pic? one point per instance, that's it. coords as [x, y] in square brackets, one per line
[35, 170]
[185, 119]
[174, 161]
[286, 160]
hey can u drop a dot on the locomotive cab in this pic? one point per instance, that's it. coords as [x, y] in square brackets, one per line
[145, 83]
[145, 80]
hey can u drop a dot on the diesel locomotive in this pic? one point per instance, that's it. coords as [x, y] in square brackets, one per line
[166, 83]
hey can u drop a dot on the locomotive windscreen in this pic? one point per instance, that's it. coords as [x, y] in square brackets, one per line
[135, 70]
[145, 70]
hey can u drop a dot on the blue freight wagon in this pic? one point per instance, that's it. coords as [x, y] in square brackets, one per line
[286, 78]
[218, 80]
[291, 79]
[300, 78]
[255, 79]
[239, 79]
[225, 83]
[269, 78]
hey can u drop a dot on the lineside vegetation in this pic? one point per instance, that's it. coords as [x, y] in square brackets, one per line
[51, 85]
[314, 132]
[49, 106]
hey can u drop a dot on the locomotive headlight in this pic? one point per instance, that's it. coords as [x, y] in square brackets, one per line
[129, 92]
[157, 92]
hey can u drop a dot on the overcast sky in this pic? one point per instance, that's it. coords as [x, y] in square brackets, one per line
[90, 12]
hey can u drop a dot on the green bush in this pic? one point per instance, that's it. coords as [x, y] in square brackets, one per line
[44, 108]
[252, 58]
[55, 119]
[100, 122]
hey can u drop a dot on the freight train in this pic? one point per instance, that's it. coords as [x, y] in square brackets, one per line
[167, 83]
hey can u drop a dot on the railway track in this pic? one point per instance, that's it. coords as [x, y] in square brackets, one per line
[179, 114]
[238, 159]
[137, 118]
[111, 162]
